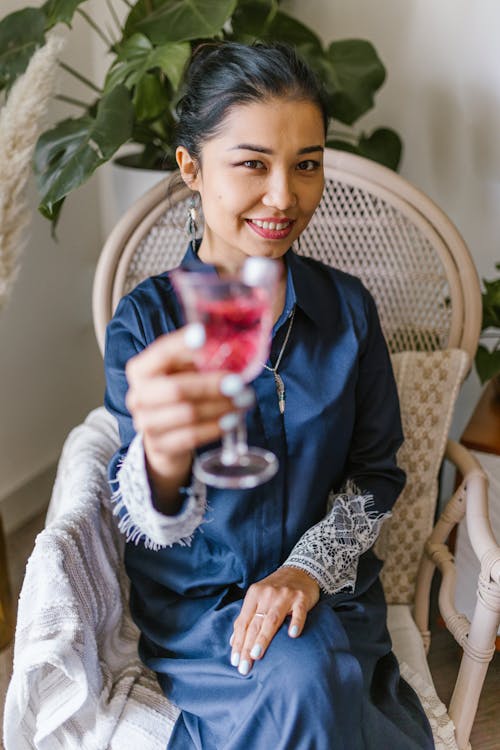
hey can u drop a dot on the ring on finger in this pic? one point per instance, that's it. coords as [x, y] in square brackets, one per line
[260, 614]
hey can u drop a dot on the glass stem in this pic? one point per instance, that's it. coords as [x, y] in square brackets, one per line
[234, 442]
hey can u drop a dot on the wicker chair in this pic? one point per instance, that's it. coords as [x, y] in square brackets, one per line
[374, 224]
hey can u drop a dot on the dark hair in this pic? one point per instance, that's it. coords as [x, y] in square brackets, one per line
[225, 74]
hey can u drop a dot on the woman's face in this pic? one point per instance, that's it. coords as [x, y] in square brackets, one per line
[260, 180]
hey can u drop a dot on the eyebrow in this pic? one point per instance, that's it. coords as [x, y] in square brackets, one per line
[263, 150]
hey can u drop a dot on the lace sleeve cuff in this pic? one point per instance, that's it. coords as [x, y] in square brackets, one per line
[139, 519]
[330, 550]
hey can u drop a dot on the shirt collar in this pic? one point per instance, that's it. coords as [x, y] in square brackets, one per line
[300, 287]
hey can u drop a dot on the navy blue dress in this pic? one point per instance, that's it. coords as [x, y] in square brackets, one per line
[338, 684]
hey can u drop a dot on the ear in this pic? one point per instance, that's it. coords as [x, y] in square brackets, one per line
[188, 167]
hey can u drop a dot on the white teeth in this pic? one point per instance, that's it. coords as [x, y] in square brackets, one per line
[271, 224]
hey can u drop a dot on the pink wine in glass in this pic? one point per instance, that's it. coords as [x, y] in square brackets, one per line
[236, 313]
[237, 331]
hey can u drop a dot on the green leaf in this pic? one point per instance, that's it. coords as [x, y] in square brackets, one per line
[383, 146]
[21, 33]
[137, 56]
[67, 155]
[250, 19]
[150, 98]
[179, 20]
[354, 74]
[60, 11]
[487, 363]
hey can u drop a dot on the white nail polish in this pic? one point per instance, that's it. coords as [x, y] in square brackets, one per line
[235, 659]
[194, 336]
[256, 651]
[294, 631]
[244, 667]
[232, 384]
[229, 421]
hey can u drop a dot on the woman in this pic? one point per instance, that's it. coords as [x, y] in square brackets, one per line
[261, 610]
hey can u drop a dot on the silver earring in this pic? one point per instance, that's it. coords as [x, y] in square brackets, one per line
[191, 222]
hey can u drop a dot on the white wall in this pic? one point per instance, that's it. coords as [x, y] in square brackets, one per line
[50, 371]
[442, 95]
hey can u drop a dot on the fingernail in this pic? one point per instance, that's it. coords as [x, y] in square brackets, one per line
[294, 631]
[229, 421]
[235, 659]
[231, 640]
[245, 399]
[194, 336]
[256, 651]
[230, 385]
[244, 667]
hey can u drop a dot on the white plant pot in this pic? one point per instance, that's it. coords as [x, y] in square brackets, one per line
[128, 184]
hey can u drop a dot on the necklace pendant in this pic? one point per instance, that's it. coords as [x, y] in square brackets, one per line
[280, 388]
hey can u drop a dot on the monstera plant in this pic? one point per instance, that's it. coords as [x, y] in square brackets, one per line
[488, 357]
[147, 55]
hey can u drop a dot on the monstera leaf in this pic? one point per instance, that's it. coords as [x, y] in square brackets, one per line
[354, 74]
[67, 155]
[60, 11]
[21, 33]
[383, 146]
[487, 363]
[179, 20]
[137, 56]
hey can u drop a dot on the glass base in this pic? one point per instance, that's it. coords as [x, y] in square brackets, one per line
[249, 469]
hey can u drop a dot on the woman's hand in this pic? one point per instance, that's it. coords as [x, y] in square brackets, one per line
[177, 408]
[287, 591]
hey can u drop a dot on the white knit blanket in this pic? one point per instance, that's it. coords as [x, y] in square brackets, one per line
[78, 683]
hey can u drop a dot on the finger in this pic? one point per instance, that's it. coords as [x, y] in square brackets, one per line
[240, 656]
[261, 632]
[175, 443]
[241, 624]
[173, 389]
[157, 420]
[168, 353]
[298, 619]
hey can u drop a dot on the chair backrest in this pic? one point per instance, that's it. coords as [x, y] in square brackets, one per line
[370, 222]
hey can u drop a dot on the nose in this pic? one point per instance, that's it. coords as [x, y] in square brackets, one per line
[280, 191]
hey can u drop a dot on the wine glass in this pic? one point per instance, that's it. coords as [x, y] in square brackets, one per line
[237, 315]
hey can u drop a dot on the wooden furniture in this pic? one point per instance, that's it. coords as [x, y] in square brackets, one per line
[482, 437]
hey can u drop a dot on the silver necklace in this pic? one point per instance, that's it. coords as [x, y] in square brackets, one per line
[280, 386]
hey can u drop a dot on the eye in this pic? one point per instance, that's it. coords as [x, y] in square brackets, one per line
[308, 165]
[253, 164]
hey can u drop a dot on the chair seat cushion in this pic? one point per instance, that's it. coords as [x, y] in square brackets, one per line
[408, 647]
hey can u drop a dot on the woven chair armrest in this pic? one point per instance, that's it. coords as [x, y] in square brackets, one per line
[477, 637]
[481, 534]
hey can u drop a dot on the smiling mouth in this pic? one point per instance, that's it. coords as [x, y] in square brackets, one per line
[275, 230]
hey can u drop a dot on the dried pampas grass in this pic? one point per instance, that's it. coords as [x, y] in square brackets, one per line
[21, 122]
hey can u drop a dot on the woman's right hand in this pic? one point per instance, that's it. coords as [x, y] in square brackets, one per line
[177, 409]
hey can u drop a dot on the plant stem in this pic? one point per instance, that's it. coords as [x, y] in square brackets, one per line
[114, 15]
[128, 4]
[96, 28]
[71, 100]
[80, 77]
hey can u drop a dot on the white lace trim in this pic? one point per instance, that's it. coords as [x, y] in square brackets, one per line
[141, 521]
[443, 729]
[330, 550]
